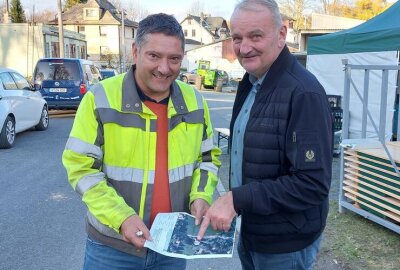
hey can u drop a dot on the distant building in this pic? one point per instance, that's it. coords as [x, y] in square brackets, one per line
[324, 24]
[291, 36]
[22, 44]
[102, 23]
[205, 29]
[216, 49]
[221, 56]
[191, 44]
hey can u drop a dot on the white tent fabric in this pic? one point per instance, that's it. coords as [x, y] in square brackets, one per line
[329, 70]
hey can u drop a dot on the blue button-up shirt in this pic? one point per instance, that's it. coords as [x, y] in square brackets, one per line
[239, 130]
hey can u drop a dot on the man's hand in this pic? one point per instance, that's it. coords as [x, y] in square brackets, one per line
[220, 215]
[198, 208]
[131, 228]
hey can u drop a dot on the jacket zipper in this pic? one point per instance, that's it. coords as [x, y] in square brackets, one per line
[294, 139]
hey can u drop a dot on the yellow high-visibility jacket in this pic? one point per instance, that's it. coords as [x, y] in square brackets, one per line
[110, 154]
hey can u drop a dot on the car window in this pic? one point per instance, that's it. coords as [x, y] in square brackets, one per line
[7, 81]
[91, 74]
[21, 82]
[56, 71]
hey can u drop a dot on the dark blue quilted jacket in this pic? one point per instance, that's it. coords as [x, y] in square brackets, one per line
[287, 159]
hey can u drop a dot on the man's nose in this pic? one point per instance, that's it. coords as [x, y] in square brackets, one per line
[163, 66]
[245, 47]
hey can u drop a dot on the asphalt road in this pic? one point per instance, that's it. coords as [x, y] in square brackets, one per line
[42, 218]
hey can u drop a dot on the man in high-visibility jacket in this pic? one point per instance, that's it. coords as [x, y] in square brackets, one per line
[141, 144]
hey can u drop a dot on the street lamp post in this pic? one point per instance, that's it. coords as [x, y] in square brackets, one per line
[60, 29]
[123, 41]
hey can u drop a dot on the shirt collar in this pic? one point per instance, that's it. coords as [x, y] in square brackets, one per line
[143, 97]
[254, 80]
[131, 102]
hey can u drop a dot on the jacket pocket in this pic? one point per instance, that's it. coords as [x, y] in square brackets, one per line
[298, 220]
[308, 150]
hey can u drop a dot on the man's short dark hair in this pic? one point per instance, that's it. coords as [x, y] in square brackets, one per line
[160, 23]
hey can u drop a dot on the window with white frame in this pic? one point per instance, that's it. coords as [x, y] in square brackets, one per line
[91, 13]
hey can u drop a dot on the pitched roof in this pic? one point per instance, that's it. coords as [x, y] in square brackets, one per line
[211, 24]
[189, 41]
[108, 14]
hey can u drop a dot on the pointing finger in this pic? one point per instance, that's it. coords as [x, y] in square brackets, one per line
[203, 227]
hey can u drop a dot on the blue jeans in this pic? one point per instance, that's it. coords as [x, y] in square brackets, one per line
[298, 260]
[102, 257]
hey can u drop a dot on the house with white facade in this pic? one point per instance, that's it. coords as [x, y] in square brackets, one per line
[23, 44]
[219, 51]
[221, 56]
[108, 33]
[205, 29]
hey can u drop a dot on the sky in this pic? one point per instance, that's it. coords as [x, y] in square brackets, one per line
[179, 8]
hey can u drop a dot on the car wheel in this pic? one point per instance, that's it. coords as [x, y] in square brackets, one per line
[185, 79]
[44, 120]
[7, 135]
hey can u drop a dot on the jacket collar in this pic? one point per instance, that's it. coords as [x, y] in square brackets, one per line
[284, 60]
[131, 101]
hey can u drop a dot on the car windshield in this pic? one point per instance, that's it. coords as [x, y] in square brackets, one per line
[56, 71]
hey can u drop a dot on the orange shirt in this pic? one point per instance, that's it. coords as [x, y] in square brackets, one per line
[161, 202]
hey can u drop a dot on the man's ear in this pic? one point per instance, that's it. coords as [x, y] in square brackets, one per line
[134, 51]
[282, 36]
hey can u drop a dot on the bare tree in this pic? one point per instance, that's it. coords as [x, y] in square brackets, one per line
[110, 59]
[294, 9]
[135, 11]
[196, 8]
[2, 10]
[42, 16]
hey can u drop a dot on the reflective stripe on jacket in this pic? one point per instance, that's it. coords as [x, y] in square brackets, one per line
[110, 154]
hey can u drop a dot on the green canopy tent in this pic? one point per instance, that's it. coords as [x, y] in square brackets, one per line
[374, 42]
[381, 33]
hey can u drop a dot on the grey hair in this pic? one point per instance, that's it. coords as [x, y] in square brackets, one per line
[160, 23]
[271, 5]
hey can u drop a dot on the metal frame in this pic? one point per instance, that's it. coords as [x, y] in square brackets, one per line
[223, 133]
[348, 82]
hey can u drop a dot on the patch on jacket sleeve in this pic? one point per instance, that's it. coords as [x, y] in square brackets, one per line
[308, 156]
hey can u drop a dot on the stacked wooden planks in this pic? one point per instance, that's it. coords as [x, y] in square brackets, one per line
[370, 181]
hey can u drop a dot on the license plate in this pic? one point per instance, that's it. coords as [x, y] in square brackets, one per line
[58, 90]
